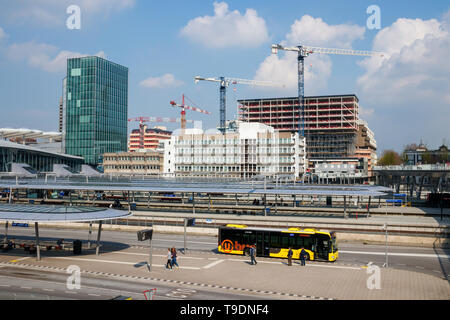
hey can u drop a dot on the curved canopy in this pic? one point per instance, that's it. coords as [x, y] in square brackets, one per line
[45, 213]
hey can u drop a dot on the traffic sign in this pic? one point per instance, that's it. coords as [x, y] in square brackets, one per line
[22, 225]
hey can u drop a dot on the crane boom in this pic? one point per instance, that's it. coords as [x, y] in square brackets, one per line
[157, 119]
[303, 52]
[224, 83]
[184, 107]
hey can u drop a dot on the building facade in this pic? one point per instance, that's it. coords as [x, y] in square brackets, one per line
[419, 155]
[333, 128]
[338, 171]
[40, 160]
[134, 163]
[147, 138]
[96, 102]
[248, 150]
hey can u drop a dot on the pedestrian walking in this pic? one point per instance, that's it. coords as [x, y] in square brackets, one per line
[289, 255]
[253, 254]
[174, 257]
[303, 255]
[169, 259]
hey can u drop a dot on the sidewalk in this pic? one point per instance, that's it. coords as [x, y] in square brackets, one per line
[270, 277]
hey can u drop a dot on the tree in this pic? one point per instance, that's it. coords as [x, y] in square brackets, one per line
[390, 158]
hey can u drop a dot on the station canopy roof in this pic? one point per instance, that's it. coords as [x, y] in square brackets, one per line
[173, 186]
[46, 213]
[8, 133]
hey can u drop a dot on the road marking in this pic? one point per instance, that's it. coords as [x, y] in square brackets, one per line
[29, 288]
[313, 265]
[157, 255]
[423, 255]
[116, 262]
[51, 290]
[94, 295]
[212, 264]
[337, 267]
[5, 285]
[72, 292]
[21, 259]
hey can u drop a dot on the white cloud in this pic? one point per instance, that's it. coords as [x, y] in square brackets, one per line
[416, 64]
[52, 13]
[227, 28]
[409, 88]
[43, 56]
[313, 32]
[2, 33]
[284, 71]
[165, 81]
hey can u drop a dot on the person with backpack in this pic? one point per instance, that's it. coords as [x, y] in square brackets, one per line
[169, 259]
[289, 255]
[253, 254]
[174, 258]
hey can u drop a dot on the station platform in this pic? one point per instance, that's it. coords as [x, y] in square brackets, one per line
[270, 278]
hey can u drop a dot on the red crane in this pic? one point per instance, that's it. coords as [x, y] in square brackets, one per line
[183, 111]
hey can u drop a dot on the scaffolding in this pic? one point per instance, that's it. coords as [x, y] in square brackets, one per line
[331, 122]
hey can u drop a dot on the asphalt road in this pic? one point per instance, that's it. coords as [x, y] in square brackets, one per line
[428, 260]
[25, 284]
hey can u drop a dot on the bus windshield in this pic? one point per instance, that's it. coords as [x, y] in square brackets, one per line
[334, 243]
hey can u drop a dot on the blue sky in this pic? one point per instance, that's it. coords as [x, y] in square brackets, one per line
[404, 98]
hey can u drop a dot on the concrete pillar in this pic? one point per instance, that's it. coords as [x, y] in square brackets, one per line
[38, 251]
[97, 249]
[5, 240]
[345, 207]
[89, 235]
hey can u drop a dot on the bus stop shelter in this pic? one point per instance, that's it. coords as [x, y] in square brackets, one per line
[43, 213]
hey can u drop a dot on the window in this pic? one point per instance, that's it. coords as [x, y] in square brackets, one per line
[75, 72]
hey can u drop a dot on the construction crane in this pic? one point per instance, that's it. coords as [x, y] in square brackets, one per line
[183, 111]
[224, 83]
[303, 52]
[153, 119]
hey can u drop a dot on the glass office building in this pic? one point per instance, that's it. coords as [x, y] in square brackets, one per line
[96, 102]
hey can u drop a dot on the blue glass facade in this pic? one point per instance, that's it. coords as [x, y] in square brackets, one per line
[96, 108]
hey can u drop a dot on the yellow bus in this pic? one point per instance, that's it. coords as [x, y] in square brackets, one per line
[237, 239]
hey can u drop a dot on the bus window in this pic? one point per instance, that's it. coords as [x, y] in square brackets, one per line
[246, 238]
[292, 242]
[275, 241]
[334, 242]
[323, 243]
[299, 243]
[284, 240]
[252, 238]
[308, 243]
[231, 235]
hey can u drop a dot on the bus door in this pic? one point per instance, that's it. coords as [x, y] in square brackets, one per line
[262, 244]
[323, 246]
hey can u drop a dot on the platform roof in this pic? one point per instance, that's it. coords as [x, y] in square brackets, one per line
[46, 213]
[165, 186]
[9, 133]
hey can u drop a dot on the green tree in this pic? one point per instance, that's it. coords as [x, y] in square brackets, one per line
[390, 158]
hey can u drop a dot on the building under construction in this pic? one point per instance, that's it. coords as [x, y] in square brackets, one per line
[332, 125]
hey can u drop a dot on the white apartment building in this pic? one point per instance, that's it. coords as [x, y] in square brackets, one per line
[246, 150]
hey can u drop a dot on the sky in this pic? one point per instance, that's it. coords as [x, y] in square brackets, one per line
[404, 95]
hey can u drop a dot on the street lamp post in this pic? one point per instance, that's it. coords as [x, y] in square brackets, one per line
[385, 265]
